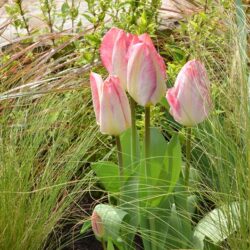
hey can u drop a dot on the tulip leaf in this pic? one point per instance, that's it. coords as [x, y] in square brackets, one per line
[112, 219]
[158, 147]
[173, 162]
[129, 203]
[175, 227]
[180, 232]
[149, 178]
[129, 200]
[108, 174]
[165, 167]
[85, 227]
[110, 245]
[221, 222]
[127, 149]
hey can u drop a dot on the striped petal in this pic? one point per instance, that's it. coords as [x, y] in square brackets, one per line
[96, 84]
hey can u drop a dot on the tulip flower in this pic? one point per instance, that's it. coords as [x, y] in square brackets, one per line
[146, 73]
[114, 52]
[189, 99]
[97, 225]
[111, 104]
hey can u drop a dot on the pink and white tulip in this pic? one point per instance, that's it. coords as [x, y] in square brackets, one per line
[146, 76]
[97, 225]
[189, 99]
[114, 52]
[111, 104]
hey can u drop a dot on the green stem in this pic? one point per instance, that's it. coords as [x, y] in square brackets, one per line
[120, 164]
[133, 131]
[147, 140]
[103, 244]
[119, 155]
[188, 155]
[23, 16]
[153, 233]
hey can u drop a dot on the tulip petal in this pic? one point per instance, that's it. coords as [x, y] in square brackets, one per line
[146, 81]
[141, 74]
[115, 111]
[96, 83]
[189, 99]
[172, 100]
[194, 98]
[145, 38]
[131, 41]
[107, 46]
[97, 224]
[119, 58]
[160, 70]
[123, 102]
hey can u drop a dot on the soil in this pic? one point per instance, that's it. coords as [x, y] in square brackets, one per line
[87, 242]
[71, 237]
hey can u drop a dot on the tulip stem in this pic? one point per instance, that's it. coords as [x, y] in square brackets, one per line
[133, 131]
[188, 155]
[119, 156]
[147, 139]
[103, 245]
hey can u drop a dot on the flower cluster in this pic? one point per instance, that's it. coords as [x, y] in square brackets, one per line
[135, 66]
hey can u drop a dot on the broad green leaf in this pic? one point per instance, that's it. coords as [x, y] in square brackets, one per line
[175, 228]
[126, 149]
[144, 230]
[130, 204]
[173, 162]
[129, 201]
[221, 222]
[112, 219]
[150, 179]
[108, 174]
[85, 227]
[158, 147]
[110, 245]
[165, 167]
[183, 201]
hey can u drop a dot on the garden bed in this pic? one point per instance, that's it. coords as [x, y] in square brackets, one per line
[60, 170]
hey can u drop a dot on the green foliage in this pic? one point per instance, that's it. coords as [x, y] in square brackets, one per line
[45, 145]
[69, 12]
[147, 194]
[108, 174]
[220, 223]
[135, 16]
[165, 167]
[46, 140]
[18, 16]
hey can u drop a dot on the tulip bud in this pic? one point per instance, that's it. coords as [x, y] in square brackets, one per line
[114, 52]
[97, 225]
[146, 73]
[111, 104]
[189, 99]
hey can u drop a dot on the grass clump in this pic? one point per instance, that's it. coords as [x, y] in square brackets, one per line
[46, 143]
